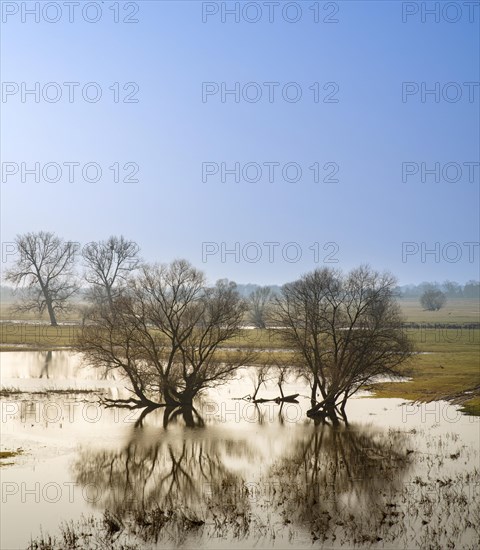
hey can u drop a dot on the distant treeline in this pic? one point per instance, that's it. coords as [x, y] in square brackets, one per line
[452, 289]
[470, 290]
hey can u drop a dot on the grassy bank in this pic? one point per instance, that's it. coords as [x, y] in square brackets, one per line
[447, 367]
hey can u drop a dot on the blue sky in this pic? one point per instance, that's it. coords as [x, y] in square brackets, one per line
[170, 132]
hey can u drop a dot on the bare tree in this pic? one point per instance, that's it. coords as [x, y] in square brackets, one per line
[260, 375]
[283, 369]
[433, 299]
[44, 272]
[164, 334]
[108, 265]
[345, 331]
[260, 301]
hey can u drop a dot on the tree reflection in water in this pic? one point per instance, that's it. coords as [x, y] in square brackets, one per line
[160, 477]
[46, 364]
[341, 483]
[325, 481]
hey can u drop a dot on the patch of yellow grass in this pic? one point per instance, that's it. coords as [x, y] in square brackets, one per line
[451, 365]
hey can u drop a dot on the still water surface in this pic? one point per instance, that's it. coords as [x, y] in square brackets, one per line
[232, 474]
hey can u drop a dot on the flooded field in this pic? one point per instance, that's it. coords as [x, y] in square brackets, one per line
[230, 473]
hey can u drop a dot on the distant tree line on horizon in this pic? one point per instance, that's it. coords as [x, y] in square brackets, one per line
[45, 277]
[451, 289]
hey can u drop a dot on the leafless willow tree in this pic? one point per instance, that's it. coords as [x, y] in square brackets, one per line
[260, 301]
[164, 334]
[346, 330]
[108, 265]
[44, 272]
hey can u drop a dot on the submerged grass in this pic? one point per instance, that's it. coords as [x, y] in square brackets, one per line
[5, 455]
[9, 391]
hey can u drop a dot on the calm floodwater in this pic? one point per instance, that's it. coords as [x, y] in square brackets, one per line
[400, 476]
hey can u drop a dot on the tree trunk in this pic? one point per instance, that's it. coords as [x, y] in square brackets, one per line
[324, 409]
[187, 399]
[187, 413]
[171, 397]
[344, 403]
[314, 393]
[344, 417]
[174, 398]
[51, 311]
[48, 301]
[109, 297]
[332, 413]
